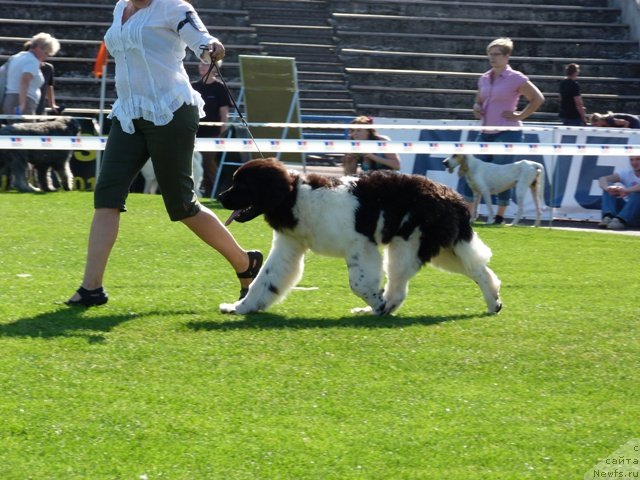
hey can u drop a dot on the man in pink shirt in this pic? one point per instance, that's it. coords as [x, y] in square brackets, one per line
[499, 90]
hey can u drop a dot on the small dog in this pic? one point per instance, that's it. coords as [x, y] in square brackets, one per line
[151, 184]
[414, 220]
[16, 162]
[486, 179]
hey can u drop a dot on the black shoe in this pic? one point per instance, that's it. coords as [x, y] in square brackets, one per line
[89, 298]
[498, 220]
[255, 263]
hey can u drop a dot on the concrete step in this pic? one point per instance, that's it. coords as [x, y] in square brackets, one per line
[454, 98]
[294, 33]
[469, 81]
[286, 15]
[327, 94]
[83, 30]
[510, 11]
[591, 67]
[299, 5]
[327, 111]
[198, 4]
[334, 67]
[480, 26]
[473, 44]
[578, 3]
[323, 52]
[93, 12]
[88, 49]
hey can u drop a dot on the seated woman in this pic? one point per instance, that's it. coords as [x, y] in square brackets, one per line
[368, 161]
[615, 120]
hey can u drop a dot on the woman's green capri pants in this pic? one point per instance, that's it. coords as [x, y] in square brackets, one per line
[170, 148]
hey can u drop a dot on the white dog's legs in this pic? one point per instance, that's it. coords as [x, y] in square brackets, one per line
[400, 264]
[521, 193]
[470, 259]
[280, 273]
[365, 275]
[486, 196]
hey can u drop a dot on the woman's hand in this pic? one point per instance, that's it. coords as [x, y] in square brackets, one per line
[217, 51]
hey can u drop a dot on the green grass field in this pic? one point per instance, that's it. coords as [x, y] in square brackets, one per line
[158, 385]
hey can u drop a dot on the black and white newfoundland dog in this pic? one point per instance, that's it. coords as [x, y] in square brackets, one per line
[15, 163]
[415, 220]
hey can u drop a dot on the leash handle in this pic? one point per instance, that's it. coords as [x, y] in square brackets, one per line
[204, 79]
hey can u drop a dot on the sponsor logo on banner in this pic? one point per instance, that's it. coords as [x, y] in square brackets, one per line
[302, 145]
[76, 141]
[604, 148]
[45, 141]
[508, 147]
[435, 147]
[329, 145]
[382, 145]
[484, 147]
[533, 147]
[407, 146]
[275, 143]
[247, 144]
[459, 146]
[16, 141]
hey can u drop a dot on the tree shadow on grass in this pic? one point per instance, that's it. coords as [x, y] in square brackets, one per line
[70, 322]
[268, 321]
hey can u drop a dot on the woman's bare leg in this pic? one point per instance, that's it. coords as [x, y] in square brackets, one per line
[102, 237]
[210, 229]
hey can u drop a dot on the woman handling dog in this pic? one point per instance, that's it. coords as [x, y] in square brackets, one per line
[155, 115]
[499, 90]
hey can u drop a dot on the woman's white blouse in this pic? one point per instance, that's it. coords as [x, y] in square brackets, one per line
[151, 82]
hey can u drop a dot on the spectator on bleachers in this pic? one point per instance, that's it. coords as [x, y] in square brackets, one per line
[368, 161]
[216, 109]
[25, 79]
[47, 94]
[499, 90]
[621, 203]
[572, 111]
[615, 120]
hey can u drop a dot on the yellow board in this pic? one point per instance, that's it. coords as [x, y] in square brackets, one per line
[270, 87]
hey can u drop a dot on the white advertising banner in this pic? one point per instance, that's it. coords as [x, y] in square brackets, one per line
[571, 190]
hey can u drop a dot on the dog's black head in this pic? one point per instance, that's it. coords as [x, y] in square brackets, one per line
[259, 187]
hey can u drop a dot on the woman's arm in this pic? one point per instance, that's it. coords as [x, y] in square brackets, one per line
[606, 180]
[580, 107]
[477, 107]
[391, 160]
[535, 97]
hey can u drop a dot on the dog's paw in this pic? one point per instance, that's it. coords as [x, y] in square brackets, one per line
[362, 310]
[228, 307]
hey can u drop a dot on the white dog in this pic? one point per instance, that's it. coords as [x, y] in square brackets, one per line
[486, 179]
[151, 184]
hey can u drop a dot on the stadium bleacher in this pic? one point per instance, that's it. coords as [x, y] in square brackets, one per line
[407, 58]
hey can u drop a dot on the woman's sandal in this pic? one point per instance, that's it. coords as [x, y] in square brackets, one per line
[89, 298]
[255, 263]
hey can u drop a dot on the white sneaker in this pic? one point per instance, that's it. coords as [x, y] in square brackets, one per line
[616, 224]
[605, 222]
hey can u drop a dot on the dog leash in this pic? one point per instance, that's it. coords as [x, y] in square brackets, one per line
[204, 79]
